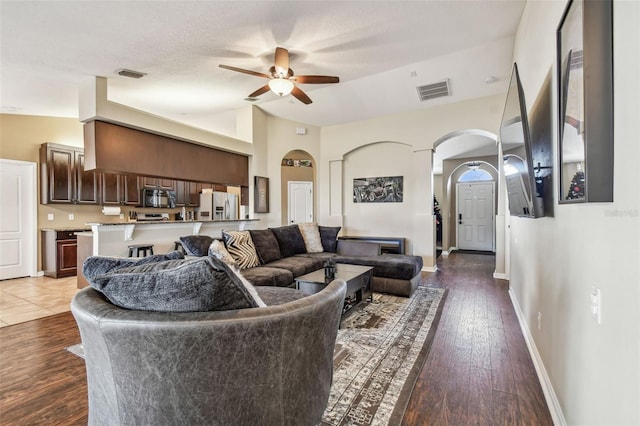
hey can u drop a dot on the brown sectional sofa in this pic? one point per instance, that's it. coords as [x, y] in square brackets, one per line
[283, 257]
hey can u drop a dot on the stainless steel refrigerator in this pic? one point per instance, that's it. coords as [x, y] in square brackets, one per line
[218, 206]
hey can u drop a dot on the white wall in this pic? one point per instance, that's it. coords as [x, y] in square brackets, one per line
[594, 369]
[379, 219]
[282, 138]
[401, 142]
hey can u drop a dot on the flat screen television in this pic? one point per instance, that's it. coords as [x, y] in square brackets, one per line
[524, 191]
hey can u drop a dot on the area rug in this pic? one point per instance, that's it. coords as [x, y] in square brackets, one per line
[380, 350]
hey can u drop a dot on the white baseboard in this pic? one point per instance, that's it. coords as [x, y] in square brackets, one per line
[445, 253]
[545, 381]
[429, 268]
[500, 276]
[38, 274]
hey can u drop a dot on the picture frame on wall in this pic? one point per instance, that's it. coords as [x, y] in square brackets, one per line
[261, 195]
[585, 102]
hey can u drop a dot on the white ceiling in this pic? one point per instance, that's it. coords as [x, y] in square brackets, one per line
[381, 50]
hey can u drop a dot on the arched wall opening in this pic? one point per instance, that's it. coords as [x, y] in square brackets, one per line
[297, 166]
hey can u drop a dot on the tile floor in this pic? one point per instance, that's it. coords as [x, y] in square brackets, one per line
[26, 299]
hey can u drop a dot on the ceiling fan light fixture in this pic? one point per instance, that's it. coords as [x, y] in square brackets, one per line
[280, 86]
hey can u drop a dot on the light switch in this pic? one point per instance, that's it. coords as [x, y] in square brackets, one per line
[72, 216]
[50, 216]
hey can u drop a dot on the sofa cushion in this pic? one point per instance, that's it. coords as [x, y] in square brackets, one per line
[217, 249]
[266, 245]
[290, 240]
[298, 265]
[324, 256]
[98, 265]
[398, 266]
[311, 237]
[184, 285]
[240, 245]
[329, 237]
[266, 276]
[196, 245]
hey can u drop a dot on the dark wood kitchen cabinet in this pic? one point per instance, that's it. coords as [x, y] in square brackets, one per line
[158, 182]
[59, 253]
[120, 189]
[63, 178]
[187, 194]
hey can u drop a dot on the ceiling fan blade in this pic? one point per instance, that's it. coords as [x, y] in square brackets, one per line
[242, 70]
[316, 79]
[260, 91]
[281, 60]
[301, 96]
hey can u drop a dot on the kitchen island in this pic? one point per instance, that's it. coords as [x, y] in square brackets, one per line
[113, 239]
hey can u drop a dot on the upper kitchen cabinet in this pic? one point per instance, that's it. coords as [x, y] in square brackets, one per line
[158, 183]
[120, 189]
[63, 179]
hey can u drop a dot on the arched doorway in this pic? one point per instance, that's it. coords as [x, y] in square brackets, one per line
[297, 177]
[452, 154]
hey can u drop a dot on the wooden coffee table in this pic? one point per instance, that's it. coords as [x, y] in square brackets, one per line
[358, 279]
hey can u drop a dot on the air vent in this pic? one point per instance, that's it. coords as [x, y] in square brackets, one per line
[432, 91]
[251, 99]
[130, 73]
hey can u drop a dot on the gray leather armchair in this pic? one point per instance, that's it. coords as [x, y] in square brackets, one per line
[259, 366]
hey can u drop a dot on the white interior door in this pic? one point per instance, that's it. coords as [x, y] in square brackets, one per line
[475, 216]
[300, 202]
[17, 219]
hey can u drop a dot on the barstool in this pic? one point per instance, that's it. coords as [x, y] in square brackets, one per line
[137, 248]
[177, 245]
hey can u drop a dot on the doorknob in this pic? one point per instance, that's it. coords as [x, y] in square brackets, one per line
[460, 218]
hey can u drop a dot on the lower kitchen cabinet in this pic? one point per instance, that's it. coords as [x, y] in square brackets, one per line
[59, 253]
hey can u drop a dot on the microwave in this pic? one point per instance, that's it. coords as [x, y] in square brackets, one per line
[158, 198]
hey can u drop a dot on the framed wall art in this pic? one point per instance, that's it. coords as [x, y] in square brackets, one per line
[378, 189]
[585, 86]
[261, 195]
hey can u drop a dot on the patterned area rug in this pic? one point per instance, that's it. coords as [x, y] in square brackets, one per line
[380, 350]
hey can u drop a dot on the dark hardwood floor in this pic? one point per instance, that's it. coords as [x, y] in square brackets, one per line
[478, 371]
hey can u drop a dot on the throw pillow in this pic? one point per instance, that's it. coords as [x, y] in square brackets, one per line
[240, 245]
[98, 265]
[329, 237]
[290, 240]
[311, 237]
[186, 285]
[217, 249]
[266, 245]
[236, 275]
[196, 245]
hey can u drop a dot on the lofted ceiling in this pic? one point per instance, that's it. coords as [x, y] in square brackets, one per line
[381, 50]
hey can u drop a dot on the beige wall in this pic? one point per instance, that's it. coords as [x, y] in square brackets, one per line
[594, 369]
[20, 139]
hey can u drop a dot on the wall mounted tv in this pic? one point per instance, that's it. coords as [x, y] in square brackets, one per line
[525, 192]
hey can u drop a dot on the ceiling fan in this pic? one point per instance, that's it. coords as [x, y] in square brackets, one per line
[282, 79]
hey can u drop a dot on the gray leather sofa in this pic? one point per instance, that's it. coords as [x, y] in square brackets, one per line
[269, 365]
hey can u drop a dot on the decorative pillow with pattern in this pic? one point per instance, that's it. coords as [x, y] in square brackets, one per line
[217, 249]
[240, 246]
[311, 237]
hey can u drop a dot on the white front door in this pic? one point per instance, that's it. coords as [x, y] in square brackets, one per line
[18, 238]
[475, 216]
[300, 202]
